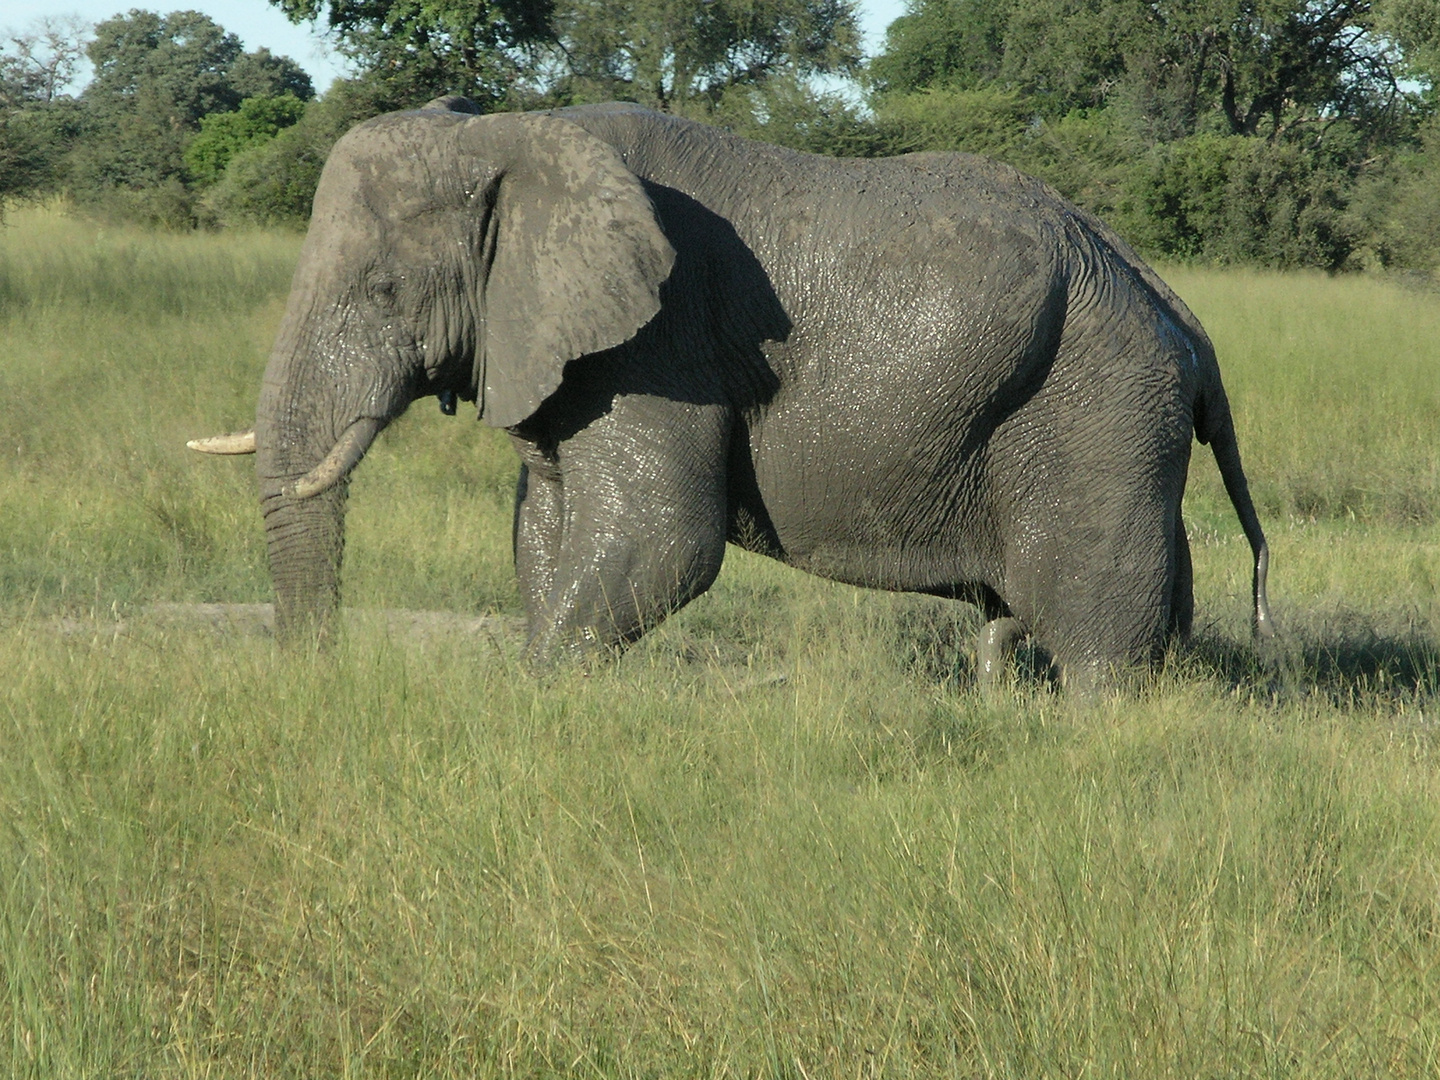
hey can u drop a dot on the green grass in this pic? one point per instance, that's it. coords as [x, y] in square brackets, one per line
[780, 837]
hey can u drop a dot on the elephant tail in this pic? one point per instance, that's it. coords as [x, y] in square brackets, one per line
[1214, 425]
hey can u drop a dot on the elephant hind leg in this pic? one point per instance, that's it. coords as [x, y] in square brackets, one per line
[1102, 600]
[1182, 592]
[998, 639]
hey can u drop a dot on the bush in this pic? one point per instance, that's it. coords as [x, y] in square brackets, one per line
[1399, 209]
[789, 112]
[272, 181]
[1233, 199]
[1084, 155]
[223, 135]
[992, 122]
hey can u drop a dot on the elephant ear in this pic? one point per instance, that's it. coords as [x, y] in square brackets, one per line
[576, 256]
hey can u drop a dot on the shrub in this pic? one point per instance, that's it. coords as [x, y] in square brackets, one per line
[1084, 155]
[1399, 208]
[987, 121]
[272, 181]
[223, 135]
[1232, 199]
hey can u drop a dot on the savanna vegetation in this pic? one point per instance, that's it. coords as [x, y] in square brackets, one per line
[1279, 133]
[781, 837]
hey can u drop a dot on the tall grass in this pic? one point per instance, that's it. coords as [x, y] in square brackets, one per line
[1336, 383]
[780, 837]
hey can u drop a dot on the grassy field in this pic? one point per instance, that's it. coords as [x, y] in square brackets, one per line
[781, 837]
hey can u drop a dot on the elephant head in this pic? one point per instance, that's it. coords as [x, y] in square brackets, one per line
[448, 254]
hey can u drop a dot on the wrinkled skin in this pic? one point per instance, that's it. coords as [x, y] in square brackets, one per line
[926, 373]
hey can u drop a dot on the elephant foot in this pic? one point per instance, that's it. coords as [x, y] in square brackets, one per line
[998, 639]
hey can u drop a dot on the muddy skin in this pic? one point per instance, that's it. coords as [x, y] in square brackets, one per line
[925, 373]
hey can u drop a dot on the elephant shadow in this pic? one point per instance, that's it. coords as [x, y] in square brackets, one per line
[1345, 657]
[713, 341]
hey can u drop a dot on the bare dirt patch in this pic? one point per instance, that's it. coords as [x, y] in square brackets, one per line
[258, 620]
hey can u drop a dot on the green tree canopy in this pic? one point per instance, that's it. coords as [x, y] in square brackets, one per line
[179, 61]
[261, 73]
[687, 54]
[421, 48]
[667, 53]
[223, 135]
[1414, 25]
[156, 78]
[1240, 67]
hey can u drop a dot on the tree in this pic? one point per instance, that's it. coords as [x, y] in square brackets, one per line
[685, 56]
[179, 63]
[1243, 67]
[156, 78]
[672, 54]
[1414, 25]
[422, 48]
[37, 119]
[263, 74]
[39, 63]
[272, 181]
[954, 45]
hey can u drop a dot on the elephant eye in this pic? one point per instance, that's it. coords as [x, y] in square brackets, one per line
[382, 289]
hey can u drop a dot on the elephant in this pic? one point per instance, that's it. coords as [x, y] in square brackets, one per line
[927, 373]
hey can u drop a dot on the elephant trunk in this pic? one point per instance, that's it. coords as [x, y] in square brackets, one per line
[311, 429]
[306, 540]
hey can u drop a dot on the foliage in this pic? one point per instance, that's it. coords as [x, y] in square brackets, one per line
[685, 56]
[790, 111]
[1086, 156]
[1227, 130]
[991, 121]
[1397, 209]
[273, 180]
[1232, 199]
[156, 78]
[1414, 25]
[36, 123]
[260, 73]
[1132, 109]
[425, 48]
[41, 62]
[177, 63]
[671, 54]
[223, 135]
[1234, 66]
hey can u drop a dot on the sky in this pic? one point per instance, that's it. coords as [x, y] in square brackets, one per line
[258, 24]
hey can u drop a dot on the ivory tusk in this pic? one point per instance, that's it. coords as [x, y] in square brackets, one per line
[236, 442]
[343, 456]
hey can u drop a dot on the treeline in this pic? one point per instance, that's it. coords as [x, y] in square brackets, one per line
[1274, 132]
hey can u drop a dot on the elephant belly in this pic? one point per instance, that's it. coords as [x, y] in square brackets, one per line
[866, 510]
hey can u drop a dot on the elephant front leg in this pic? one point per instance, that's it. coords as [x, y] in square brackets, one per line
[539, 518]
[641, 526]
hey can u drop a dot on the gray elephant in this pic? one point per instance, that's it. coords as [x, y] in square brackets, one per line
[927, 373]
